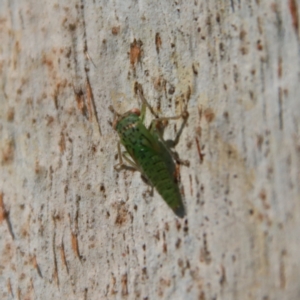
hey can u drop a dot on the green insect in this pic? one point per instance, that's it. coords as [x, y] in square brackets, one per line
[150, 153]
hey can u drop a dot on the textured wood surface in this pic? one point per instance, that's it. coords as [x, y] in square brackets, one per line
[71, 227]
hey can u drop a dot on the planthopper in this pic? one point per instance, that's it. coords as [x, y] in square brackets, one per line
[147, 151]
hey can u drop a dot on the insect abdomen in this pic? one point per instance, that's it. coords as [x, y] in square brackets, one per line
[164, 181]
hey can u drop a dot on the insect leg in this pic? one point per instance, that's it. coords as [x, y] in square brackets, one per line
[118, 167]
[139, 90]
[156, 129]
[157, 125]
[130, 162]
[183, 115]
[173, 143]
[132, 166]
[135, 167]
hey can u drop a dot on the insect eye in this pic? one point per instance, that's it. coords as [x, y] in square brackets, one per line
[136, 111]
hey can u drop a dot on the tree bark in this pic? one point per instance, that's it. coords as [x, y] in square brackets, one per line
[71, 227]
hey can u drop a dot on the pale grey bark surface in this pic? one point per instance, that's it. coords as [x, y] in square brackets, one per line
[71, 227]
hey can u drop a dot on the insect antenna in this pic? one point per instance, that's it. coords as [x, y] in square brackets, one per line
[112, 109]
[116, 116]
[139, 90]
[89, 58]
